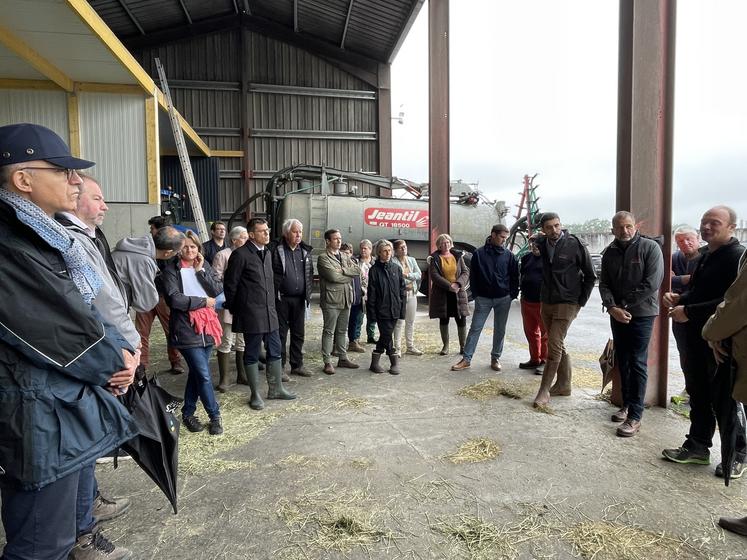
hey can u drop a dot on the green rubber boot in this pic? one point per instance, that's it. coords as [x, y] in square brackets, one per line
[275, 382]
[252, 373]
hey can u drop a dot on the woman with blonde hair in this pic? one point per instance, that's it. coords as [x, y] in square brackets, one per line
[449, 276]
[412, 275]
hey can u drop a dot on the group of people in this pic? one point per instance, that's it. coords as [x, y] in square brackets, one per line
[62, 372]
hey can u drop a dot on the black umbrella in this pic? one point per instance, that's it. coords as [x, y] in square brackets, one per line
[156, 448]
[729, 413]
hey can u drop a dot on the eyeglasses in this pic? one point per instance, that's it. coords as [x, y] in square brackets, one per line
[68, 172]
[262, 230]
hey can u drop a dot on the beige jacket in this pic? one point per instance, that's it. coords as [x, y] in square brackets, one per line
[730, 320]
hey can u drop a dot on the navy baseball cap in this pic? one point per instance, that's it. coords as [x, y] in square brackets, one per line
[31, 142]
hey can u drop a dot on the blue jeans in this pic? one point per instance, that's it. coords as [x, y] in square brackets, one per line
[199, 382]
[39, 524]
[631, 353]
[87, 490]
[483, 306]
[253, 342]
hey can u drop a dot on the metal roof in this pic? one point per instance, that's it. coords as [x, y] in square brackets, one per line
[373, 29]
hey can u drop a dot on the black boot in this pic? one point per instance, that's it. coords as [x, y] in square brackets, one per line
[462, 333]
[444, 339]
[394, 360]
[240, 369]
[222, 372]
[375, 359]
[252, 373]
[275, 382]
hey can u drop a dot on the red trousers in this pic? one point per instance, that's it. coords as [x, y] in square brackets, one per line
[143, 324]
[534, 330]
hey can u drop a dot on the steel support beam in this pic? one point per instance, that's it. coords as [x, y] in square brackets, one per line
[186, 12]
[645, 131]
[295, 16]
[347, 23]
[384, 106]
[438, 104]
[132, 17]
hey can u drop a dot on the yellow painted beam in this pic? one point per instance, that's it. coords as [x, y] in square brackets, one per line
[151, 151]
[10, 83]
[109, 88]
[94, 22]
[40, 64]
[73, 124]
[227, 153]
[186, 128]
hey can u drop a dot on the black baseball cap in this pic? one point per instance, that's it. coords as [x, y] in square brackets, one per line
[31, 142]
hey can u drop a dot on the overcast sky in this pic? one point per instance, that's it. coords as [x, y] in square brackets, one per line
[534, 90]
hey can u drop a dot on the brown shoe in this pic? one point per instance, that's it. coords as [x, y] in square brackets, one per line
[495, 365]
[621, 415]
[629, 428]
[345, 363]
[329, 369]
[556, 391]
[353, 346]
[285, 377]
[460, 365]
[301, 371]
[736, 525]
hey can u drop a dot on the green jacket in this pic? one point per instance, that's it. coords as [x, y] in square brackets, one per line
[336, 280]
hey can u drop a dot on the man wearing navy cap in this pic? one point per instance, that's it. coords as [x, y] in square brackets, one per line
[60, 365]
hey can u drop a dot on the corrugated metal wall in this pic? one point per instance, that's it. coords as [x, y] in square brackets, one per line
[47, 108]
[300, 109]
[112, 130]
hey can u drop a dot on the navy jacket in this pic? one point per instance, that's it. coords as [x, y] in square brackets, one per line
[530, 272]
[494, 272]
[56, 357]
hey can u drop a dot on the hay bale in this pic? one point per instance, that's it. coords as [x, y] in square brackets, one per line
[475, 451]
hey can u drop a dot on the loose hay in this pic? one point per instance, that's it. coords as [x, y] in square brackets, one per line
[362, 463]
[587, 378]
[330, 520]
[302, 461]
[353, 403]
[199, 453]
[606, 540]
[495, 388]
[475, 451]
[605, 396]
[544, 408]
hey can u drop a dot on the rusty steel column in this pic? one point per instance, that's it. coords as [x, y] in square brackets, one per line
[438, 102]
[646, 114]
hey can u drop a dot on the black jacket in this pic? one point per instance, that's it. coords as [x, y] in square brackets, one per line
[278, 265]
[210, 249]
[249, 284]
[570, 277]
[56, 357]
[387, 292]
[181, 332]
[494, 272]
[711, 278]
[631, 276]
[530, 271]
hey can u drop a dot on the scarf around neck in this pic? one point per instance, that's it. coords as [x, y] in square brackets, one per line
[86, 279]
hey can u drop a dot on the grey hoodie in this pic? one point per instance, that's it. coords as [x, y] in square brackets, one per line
[135, 259]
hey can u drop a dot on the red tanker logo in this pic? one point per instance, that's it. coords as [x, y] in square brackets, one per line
[396, 218]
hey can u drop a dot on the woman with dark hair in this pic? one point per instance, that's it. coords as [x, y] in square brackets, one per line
[449, 276]
[386, 304]
[412, 275]
[190, 287]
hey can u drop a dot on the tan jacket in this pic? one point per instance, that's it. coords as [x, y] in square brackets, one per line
[336, 281]
[730, 320]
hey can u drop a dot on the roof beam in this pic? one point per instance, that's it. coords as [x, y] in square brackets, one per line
[92, 20]
[126, 8]
[39, 63]
[202, 27]
[295, 16]
[236, 7]
[247, 9]
[414, 11]
[347, 22]
[186, 12]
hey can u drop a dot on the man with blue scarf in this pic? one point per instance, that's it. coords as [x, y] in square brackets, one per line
[60, 365]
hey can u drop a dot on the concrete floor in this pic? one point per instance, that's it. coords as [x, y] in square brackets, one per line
[372, 448]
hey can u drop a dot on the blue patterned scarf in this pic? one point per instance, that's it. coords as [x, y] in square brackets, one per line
[82, 273]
